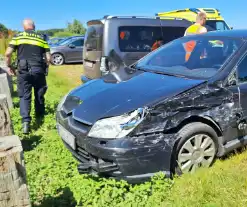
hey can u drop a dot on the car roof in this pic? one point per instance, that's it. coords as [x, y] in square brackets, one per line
[235, 33]
[135, 18]
[73, 37]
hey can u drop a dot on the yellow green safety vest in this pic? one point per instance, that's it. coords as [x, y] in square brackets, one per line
[193, 29]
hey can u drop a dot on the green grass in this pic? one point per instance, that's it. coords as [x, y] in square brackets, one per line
[54, 181]
[2, 46]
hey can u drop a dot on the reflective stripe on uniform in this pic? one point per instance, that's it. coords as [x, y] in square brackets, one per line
[189, 47]
[30, 42]
[32, 39]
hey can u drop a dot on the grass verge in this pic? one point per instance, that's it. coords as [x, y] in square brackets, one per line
[54, 181]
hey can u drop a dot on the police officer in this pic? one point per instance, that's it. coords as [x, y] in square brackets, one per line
[33, 58]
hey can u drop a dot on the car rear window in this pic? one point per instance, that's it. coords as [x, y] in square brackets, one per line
[94, 38]
[142, 38]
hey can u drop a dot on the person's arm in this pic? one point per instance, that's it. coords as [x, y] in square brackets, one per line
[203, 30]
[47, 53]
[11, 48]
[8, 55]
[48, 58]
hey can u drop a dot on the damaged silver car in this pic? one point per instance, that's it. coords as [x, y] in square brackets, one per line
[173, 111]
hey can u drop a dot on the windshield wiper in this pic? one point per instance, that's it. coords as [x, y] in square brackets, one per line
[157, 72]
[138, 68]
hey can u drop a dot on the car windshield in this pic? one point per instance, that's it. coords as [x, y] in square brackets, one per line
[55, 40]
[194, 57]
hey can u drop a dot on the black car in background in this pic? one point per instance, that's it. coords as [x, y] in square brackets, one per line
[165, 113]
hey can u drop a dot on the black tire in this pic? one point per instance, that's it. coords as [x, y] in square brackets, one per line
[53, 56]
[185, 134]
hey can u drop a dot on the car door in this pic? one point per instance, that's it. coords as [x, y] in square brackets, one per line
[242, 84]
[74, 50]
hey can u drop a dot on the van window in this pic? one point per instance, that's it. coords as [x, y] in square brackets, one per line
[94, 37]
[138, 38]
[217, 25]
[171, 33]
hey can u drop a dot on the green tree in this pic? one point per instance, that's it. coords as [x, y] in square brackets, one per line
[63, 34]
[3, 30]
[76, 27]
[51, 32]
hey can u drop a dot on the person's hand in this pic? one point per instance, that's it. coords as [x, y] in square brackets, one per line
[10, 71]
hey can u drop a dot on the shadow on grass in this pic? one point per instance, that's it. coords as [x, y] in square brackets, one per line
[16, 104]
[38, 122]
[15, 94]
[30, 142]
[234, 153]
[65, 199]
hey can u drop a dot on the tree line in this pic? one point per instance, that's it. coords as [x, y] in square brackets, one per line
[75, 27]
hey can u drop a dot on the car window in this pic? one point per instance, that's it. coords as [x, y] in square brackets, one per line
[94, 37]
[138, 38]
[197, 56]
[78, 43]
[242, 70]
[65, 41]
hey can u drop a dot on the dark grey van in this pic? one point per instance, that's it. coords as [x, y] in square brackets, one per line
[130, 37]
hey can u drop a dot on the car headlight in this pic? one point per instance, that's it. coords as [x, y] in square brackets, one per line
[60, 105]
[119, 126]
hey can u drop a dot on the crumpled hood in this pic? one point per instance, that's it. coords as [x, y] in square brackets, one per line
[101, 99]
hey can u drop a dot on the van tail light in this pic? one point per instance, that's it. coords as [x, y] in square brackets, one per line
[103, 66]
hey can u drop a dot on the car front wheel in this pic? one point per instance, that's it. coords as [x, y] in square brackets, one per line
[197, 147]
[57, 59]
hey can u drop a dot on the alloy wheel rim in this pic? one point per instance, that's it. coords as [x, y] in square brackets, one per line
[57, 59]
[198, 151]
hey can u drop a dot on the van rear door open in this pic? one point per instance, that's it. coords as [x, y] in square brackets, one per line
[92, 50]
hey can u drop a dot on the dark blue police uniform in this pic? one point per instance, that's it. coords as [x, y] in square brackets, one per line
[32, 70]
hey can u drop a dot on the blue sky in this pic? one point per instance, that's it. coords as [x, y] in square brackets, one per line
[56, 13]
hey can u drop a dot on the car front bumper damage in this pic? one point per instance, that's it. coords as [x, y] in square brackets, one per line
[134, 159]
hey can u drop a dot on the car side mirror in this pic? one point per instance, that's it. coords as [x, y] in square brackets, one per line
[232, 79]
[71, 46]
[232, 82]
[231, 27]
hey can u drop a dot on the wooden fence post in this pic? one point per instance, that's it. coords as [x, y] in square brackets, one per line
[5, 121]
[5, 89]
[3, 70]
[13, 187]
